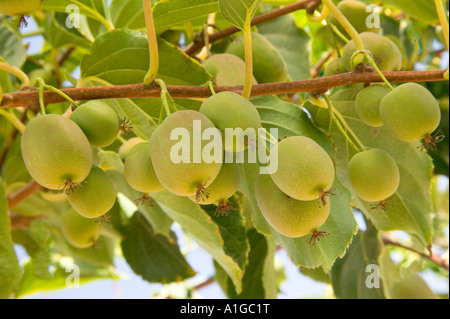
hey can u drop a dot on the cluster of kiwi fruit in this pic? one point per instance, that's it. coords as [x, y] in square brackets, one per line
[57, 152]
[409, 111]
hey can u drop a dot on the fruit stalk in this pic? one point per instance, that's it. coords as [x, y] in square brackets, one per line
[152, 43]
[443, 19]
[248, 61]
[339, 125]
[12, 118]
[323, 15]
[17, 72]
[345, 24]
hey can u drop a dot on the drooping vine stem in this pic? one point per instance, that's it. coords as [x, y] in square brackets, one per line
[248, 60]
[349, 129]
[443, 19]
[345, 24]
[322, 16]
[43, 86]
[165, 96]
[13, 119]
[334, 119]
[369, 57]
[41, 95]
[16, 72]
[152, 44]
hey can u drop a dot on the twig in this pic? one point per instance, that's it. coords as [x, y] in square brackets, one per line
[31, 98]
[21, 195]
[8, 145]
[431, 257]
[316, 69]
[199, 42]
[21, 222]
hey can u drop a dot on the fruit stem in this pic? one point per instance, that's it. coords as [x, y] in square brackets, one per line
[189, 31]
[60, 93]
[165, 96]
[443, 19]
[13, 119]
[41, 95]
[210, 84]
[248, 60]
[152, 44]
[333, 117]
[95, 14]
[338, 33]
[323, 15]
[17, 72]
[369, 57]
[345, 24]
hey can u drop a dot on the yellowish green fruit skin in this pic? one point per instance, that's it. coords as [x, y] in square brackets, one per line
[80, 232]
[356, 13]
[95, 196]
[226, 69]
[182, 179]
[413, 287]
[368, 103]
[305, 169]
[19, 7]
[374, 175]
[410, 112]
[55, 151]
[99, 122]
[139, 171]
[126, 147]
[223, 187]
[268, 64]
[288, 216]
[231, 110]
[385, 52]
[335, 67]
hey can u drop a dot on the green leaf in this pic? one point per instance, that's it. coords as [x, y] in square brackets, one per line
[58, 35]
[10, 271]
[32, 284]
[424, 10]
[411, 205]
[259, 281]
[12, 49]
[202, 228]
[36, 241]
[153, 256]
[239, 12]
[171, 13]
[292, 42]
[122, 57]
[233, 232]
[349, 274]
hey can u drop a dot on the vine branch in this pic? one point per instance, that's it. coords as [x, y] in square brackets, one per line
[431, 257]
[30, 99]
[308, 5]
